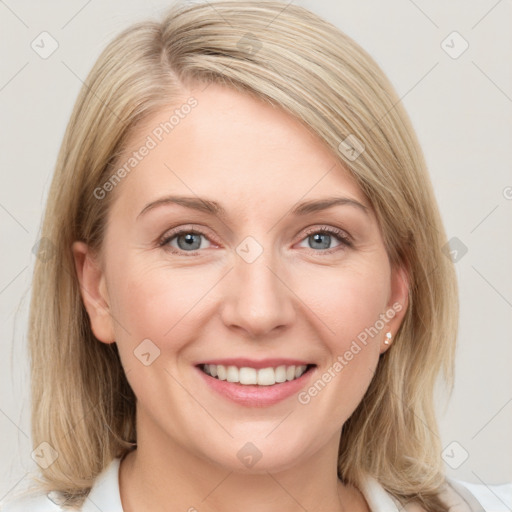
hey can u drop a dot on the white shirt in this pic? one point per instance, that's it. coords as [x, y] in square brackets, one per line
[105, 497]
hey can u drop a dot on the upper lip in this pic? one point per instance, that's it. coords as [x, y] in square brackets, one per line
[253, 363]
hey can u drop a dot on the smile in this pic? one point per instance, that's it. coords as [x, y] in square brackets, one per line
[252, 376]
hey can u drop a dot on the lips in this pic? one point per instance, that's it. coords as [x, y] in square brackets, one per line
[256, 383]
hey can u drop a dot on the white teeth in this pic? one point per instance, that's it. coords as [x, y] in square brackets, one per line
[232, 374]
[290, 373]
[247, 375]
[266, 376]
[221, 371]
[250, 376]
[281, 374]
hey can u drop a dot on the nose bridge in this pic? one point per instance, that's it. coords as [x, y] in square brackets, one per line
[257, 299]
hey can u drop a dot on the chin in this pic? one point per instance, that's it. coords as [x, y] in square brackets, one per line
[260, 456]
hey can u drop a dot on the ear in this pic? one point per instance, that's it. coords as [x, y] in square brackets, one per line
[94, 292]
[397, 304]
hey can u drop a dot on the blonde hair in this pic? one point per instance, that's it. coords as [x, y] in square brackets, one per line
[82, 404]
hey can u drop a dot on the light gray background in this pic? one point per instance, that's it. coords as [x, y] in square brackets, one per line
[461, 109]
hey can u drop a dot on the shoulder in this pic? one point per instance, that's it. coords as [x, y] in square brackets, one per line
[461, 496]
[104, 496]
[457, 496]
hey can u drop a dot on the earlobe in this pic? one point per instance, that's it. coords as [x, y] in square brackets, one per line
[94, 292]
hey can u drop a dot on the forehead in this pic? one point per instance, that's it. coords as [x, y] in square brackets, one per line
[214, 140]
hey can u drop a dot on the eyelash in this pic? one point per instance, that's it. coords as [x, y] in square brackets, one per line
[342, 237]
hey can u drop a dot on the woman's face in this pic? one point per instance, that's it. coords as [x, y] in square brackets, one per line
[225, 247]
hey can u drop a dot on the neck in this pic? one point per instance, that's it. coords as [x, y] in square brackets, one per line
[162, 474]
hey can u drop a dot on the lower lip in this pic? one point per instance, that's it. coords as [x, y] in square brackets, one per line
[256, 396]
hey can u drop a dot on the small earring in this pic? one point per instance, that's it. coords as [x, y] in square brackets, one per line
[388, 338]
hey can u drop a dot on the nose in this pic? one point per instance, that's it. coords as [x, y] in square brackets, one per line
[257, 299]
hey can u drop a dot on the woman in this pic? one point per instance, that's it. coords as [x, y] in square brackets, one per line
[247, 304]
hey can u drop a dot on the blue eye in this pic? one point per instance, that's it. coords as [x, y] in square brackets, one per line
[186, 240]
[322, 239]
[319, 240]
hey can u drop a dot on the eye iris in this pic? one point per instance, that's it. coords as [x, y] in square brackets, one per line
[189, 241]
[318, 239]
[192, 240]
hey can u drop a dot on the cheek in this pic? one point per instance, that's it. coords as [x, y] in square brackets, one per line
[348, 300]
[153, 300]
[157, 303]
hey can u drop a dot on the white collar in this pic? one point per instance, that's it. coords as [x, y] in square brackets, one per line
[379, 500]
[105, 493]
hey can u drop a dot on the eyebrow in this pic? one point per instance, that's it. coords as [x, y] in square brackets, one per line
[214, 208]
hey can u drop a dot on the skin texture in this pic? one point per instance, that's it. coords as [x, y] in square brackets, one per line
[297, 299]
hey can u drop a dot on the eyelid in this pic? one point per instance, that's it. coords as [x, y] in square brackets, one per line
[186, 228]
[344, 237]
